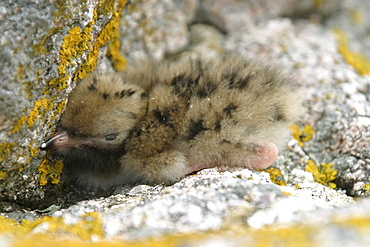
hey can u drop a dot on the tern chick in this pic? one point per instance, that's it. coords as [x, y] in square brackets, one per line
[159, 121]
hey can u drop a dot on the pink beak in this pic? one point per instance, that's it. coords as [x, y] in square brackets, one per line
[60, 140]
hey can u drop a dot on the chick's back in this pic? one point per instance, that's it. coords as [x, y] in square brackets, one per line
[217, 112]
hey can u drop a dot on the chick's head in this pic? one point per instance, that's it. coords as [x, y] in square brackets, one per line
[101, 112]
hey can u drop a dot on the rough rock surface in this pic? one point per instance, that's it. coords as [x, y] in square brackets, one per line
[48, 46]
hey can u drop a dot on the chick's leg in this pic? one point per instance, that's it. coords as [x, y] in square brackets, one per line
[263, 158]
[164, 167]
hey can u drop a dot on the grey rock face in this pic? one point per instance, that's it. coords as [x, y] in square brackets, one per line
[46, 48]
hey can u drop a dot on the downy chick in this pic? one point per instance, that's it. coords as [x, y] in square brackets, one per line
[159, 121]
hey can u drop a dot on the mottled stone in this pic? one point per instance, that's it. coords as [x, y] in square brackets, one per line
[241, 16]
[46, 48]
[156, 28]
[236, 205]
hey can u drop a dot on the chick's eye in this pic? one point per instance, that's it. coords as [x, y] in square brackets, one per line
[111, 137]
[74, 133]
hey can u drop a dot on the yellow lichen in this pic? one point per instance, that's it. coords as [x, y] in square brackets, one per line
[114, 53]
[109, 32]
[43, 172]
[39, 108]
[74, 45]
[38, 73]
[90, 225]
[357, 17]
[366, 188]
[63, 82]
[20, 74]
[80, 235]
[19, 124]
[53, 81]
[317, 3]
[35, 112]
[53, 231]
[52, 171]
[43, 240]
[55, 172]
[92, 58]
[286, 193]
[323, 174]
[60, 107]
[33, 151]
[359, 61]
[5, 149]
[27, 87]
[7, 225]
[2, 174]
[276, 176]
[354, 222]
[77, 42]
[303, 135]
[118, 60]
[40, 47]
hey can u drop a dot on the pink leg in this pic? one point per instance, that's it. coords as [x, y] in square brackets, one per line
[266, 155]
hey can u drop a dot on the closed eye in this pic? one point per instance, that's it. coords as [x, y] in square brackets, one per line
[111, 137]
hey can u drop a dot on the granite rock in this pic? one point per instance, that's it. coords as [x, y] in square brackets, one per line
[48, 46]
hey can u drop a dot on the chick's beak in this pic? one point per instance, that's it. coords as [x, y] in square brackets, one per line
[60, 140]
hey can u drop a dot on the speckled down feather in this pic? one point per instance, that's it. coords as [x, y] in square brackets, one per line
[159, 121]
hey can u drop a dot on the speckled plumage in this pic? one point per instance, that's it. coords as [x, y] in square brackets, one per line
[159, 121]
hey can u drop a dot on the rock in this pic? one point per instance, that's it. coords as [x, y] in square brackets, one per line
[208, 201]
[47, 49]
[48, 46]
[241, 16]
